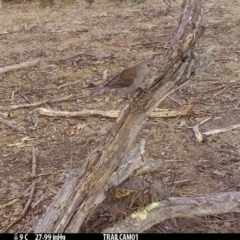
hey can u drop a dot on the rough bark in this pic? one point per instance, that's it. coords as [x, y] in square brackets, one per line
[129, 164]
[69, 213]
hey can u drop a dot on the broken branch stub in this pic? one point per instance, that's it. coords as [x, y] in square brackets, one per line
[69, 213]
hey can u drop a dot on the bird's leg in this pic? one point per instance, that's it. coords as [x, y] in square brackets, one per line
[143, 89]
[129, 98]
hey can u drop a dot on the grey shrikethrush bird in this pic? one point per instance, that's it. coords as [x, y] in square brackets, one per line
[128, 80]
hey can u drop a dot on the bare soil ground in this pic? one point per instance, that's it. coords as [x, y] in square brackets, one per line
[114, 36]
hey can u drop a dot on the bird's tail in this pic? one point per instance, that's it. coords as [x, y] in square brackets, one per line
[97, 91]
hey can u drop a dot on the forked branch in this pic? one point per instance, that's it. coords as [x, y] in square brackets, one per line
[69, 213]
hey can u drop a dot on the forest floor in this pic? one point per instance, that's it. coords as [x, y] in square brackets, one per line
[115, 36]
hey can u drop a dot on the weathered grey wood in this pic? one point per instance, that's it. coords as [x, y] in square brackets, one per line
[19, 66]
[129, 164]
[158, 113]
[187, 207]
[68, 213]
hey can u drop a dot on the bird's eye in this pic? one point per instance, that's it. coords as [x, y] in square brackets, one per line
[149, 65]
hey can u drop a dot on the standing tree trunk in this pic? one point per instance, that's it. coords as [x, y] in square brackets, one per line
[76, 201]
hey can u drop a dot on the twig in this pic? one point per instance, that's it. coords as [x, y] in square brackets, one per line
[70, 83]
[105, 73]
[196, 131]
[220, 130]
[9, 203]
[68, 31]
[167, 2]
[20, 66]
[179, 182]
[71, 56]
[4, 115]
[45, 186]
[40, 175]
[12, 125]
[16, 199]
[174, 100]
[220, 92]
[33, 186]
[34, 163]
[36, 104]
[11, 31]
[198, 134]
[23, 96]
[223, 59]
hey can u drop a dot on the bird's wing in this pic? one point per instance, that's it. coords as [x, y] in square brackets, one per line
[126, 80]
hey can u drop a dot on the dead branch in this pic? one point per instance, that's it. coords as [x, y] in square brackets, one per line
[159, 113]
[20, 66]
[12, 125]
[93, 56]
[173, 207]
[70, 57]
[33, 186]
[220, 130]
[69, 84]
[10, 32]
[166, 113]
[34, 163]
[129, 164]
[199, 134]
[67, 214]
[36, 104]
[9, 203]
[4, 115]
[68, 31]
